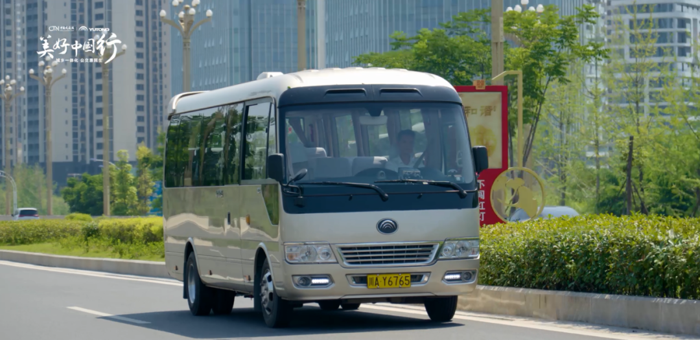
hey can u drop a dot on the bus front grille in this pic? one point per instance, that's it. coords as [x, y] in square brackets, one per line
[388, 254]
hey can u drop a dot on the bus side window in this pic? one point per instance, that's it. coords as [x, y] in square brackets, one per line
[192, 159]
[211, 171]
[174, 172]
[255, 144]
[234, 121]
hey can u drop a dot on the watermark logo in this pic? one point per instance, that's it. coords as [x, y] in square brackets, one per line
[61, 28]
[83, 28]
[98, 44]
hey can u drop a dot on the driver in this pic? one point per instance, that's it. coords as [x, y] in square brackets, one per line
[405, 159]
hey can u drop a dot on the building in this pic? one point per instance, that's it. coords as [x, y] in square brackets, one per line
[244, 39]
[675, 24]
[16, 21]
[139, 81]
[362, 26]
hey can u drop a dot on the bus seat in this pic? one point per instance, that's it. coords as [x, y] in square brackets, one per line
[332, 167]
[363, 163]
[313, 153]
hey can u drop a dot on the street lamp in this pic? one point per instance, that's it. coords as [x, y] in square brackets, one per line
[108, 52]
[186, 27]
[101, 160]
[301, 35]
[45, 78]
[7, 96]
[539, 10]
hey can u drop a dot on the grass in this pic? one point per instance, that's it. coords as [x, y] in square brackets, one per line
[57, 249]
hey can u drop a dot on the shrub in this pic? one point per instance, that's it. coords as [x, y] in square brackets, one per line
[37, 231]
[79, 217]
[638, 255]
[140, 230]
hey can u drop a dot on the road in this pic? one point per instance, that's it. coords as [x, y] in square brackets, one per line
[54, 303]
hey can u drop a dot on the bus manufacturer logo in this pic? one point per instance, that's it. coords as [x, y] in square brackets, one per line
[387, 226]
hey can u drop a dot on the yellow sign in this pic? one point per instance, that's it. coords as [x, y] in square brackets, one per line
[480, 84]
[514, 194]
[484, 119]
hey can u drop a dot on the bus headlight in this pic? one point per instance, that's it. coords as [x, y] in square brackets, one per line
[309, 253]
[460, 249]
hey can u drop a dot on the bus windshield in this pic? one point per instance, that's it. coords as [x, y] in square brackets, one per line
[377, 142]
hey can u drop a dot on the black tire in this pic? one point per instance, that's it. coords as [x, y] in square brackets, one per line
[199, 296]
[276, 312]
[441, 309]
[329, 305]
[350, 306]
[223, 302]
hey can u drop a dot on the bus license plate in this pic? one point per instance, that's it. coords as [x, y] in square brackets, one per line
[389, 281]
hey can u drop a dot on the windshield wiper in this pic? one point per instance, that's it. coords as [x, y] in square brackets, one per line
[382, 194]
[462, 193]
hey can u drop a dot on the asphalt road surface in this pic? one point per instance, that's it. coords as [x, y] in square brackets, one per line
[64, 304]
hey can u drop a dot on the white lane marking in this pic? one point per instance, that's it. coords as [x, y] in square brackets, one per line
[609, 333]
[110, 316]
[94, 274]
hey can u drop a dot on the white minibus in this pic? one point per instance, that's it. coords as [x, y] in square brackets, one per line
[337, 187]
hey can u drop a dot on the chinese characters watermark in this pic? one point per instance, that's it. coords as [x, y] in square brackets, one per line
[93, 45]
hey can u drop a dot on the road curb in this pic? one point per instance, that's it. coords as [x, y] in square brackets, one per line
[662, 315]
[129, 267]
[674, 316]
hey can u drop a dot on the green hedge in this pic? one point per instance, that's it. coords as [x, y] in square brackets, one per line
[126, 238]
[638, 255]
[79, 217]
[37, 231]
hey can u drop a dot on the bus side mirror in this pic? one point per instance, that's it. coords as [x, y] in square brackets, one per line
[275, 167]
[481, 159]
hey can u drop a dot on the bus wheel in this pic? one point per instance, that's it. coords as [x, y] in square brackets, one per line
[276, 311]
[223, 302]
[441, 309]
[329, 305]
[350, 306]
[199, 296]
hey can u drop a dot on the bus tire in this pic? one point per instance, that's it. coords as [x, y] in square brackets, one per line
[329, 305]
[223, 302]
[276, 311]
[441, 309]
[350, 306]
[199, 296]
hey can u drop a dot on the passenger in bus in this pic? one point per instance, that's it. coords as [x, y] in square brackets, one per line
[406, 158]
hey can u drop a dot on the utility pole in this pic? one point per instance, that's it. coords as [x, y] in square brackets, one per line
[7, 96]
[497, 40]
[45, 78]
[110, 53]
[301, 35]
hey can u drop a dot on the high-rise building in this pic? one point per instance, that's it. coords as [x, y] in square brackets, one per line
[139, 80]
[244, 39]
[16, 21]
[362, 26]
[675, 26]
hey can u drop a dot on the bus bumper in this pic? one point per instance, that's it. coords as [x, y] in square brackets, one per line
[350, 284]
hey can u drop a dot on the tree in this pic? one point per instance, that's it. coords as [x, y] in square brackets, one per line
[125, 199]
[144, 183]
[562, 148]
[84, 194]
[459, 52]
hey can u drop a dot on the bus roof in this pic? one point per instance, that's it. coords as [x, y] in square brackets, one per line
[276, 85]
